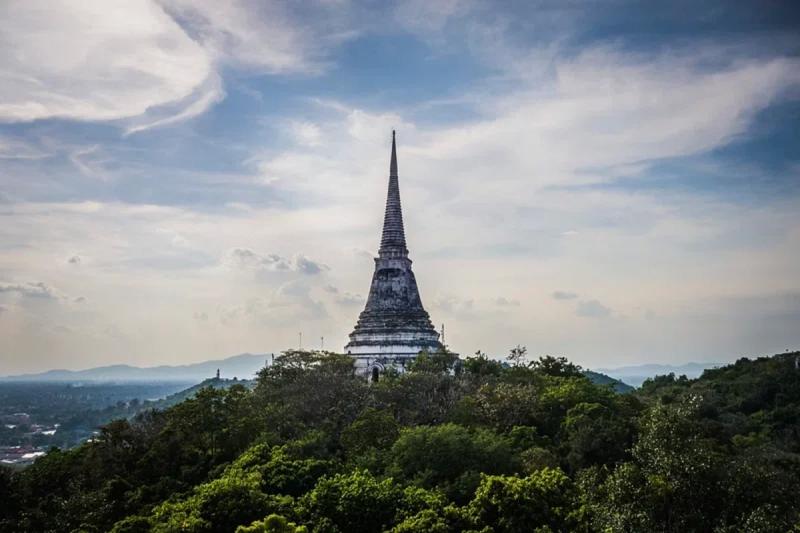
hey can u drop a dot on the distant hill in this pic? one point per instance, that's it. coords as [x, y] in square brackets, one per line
[601, 379]
[635, 375]
[243, 366]
[178, 397]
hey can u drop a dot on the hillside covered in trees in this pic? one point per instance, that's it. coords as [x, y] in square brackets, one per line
[470, 445]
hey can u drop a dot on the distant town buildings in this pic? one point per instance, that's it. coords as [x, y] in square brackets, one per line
[23, 454]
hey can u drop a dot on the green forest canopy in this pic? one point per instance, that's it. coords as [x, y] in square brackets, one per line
[452, 445]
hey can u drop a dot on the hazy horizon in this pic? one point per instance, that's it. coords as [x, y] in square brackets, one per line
[183, 180]
[246, 366]
[223, 359]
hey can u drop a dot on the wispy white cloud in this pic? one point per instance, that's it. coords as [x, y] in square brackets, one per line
[350, 300]
[80, 157]
[244, 258]
[564, 295]
[290, 304]
[605, 109]
[150, 63]
[94, 60]
[266, 36]
[455, 306]
[427, 18]
[31, 290]
[205, 96]
[593, 309]
[11, 148]
[305, 133]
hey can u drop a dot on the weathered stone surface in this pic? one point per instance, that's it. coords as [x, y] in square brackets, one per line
[394, 326]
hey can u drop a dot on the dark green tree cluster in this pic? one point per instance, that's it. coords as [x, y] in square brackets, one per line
[452, 445]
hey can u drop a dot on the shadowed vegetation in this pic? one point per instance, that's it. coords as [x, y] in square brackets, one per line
[453, 445]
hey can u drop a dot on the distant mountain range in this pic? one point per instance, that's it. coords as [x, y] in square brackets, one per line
[243, 366]
[635, 375]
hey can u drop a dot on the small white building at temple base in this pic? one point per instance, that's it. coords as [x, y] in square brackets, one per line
[394, 327]
[371, 363]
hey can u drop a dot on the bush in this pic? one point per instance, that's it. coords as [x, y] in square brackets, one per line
[354, 502]
[450, 457]
[535, 503]
[272, 524]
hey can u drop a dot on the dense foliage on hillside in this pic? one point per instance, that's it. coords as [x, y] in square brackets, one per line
[452, 445]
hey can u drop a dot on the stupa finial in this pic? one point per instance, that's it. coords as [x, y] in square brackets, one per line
[393, 239]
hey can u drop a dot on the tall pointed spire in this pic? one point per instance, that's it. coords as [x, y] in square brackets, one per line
[393, 240]
[393, 163]
[394, 327]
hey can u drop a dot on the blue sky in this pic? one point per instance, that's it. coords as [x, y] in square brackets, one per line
[616, 182]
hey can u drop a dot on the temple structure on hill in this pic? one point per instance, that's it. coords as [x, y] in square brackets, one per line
[394, 327]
